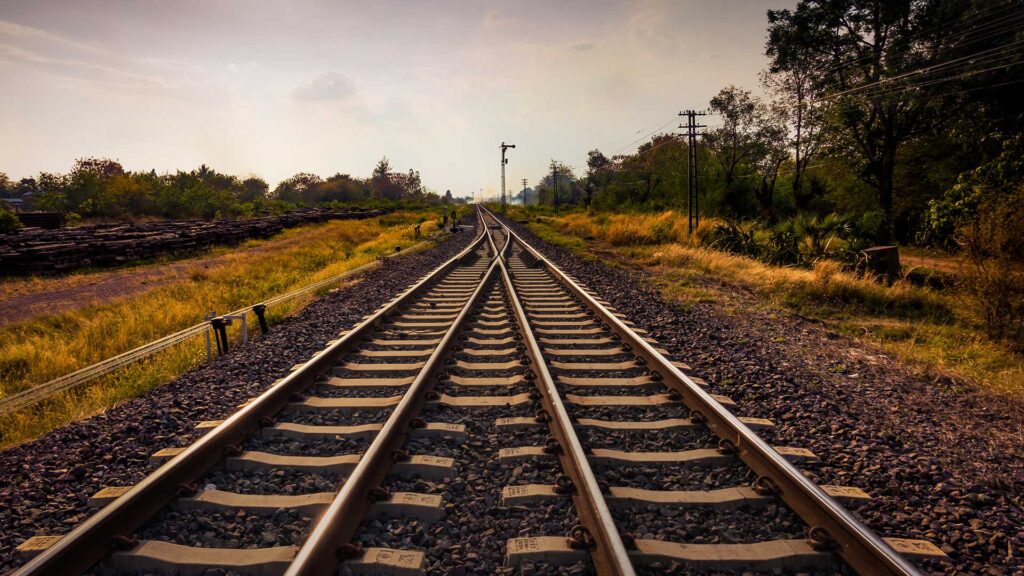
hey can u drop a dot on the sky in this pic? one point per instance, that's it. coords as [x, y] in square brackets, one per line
[276, 88]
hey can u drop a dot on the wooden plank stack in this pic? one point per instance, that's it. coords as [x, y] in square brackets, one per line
[37, 251]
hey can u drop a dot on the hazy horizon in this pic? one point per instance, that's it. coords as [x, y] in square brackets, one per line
[273, 89]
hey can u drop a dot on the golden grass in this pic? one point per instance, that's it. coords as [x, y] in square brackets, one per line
[45, 347]
[933, 329]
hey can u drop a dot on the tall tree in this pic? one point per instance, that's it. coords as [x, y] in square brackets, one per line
[386, 183]
[770, 152]
[804, 114]
[859, 50]
[734, 142]
[598, 173]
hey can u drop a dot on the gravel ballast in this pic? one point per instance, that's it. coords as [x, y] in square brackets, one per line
[942, 459]
[47, 482]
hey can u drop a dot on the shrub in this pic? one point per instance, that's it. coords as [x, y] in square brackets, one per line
[72, 219]
[8, 221]
[961, 203]
[734, 236]
[993, 263]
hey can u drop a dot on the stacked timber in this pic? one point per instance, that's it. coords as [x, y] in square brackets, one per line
[39, 251]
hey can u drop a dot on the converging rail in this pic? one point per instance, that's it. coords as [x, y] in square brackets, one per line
[495, 346]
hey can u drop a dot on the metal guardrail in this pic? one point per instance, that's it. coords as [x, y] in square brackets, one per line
[36, 394]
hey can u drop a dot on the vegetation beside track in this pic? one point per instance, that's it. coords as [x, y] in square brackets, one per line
[37, 350]
[936, 329]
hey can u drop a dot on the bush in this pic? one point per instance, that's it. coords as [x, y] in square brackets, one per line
[992, 262]
[72, 219]
[8, 221]
[734, 236]
[961, 204]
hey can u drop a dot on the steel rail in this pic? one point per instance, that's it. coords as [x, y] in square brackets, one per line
[92, 540]
[610, 554]
[36, 394]
[857, 544]
[319, 554]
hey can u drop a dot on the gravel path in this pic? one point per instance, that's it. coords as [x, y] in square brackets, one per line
[943, 460]
[46, 482]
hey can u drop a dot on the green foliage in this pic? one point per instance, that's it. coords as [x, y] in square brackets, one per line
[801, 240]
[960, 204]
[100, 188]
[993, 263]
[735, 237]
[8, 221]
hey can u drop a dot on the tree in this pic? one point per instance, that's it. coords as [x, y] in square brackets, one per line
[859, 50]
[565, 184]
[735, 141]
[253, 188]
[299, 188]
[342, 188]
[804, 115]
[598, 173]
[386, 184]
[770, 152]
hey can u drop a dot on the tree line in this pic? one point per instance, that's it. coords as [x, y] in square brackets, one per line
[885, 110]
[102, 188]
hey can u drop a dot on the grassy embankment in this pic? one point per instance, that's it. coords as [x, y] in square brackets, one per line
[224, 279]
[936, 330]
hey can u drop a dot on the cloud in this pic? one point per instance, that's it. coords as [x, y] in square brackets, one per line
[90, 71]
[495, 21]
[327, 86]
[583, 46]
[18, 32]
[48, 52]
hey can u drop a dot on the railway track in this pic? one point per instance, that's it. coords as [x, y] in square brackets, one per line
[495, 417]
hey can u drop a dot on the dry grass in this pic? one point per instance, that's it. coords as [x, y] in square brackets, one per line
[45, 347]
[934, 329]
[632, 229]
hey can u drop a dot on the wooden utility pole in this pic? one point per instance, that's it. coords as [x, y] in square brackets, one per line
[692, 207]
[524, 191]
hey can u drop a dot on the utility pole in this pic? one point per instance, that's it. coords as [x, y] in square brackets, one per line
[554, 184]
[503, 162]
[524, 191]
[692, 208]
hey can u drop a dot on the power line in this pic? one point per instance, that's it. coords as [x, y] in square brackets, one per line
[931, 69]
[978, 15]
[644, 137]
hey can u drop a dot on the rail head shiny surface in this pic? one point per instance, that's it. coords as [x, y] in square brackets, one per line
[90, 541]
[864, 550]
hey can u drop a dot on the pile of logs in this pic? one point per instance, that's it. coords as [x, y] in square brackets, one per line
[38, 251]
